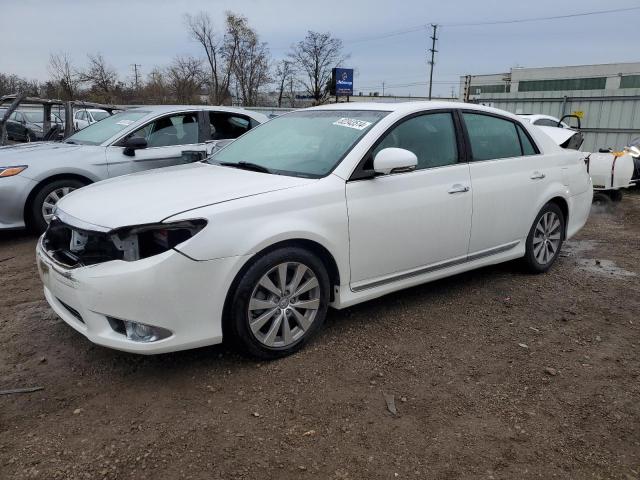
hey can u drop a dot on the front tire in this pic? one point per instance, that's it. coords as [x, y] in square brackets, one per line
[545, 239]
[279, 303]
[44, 202]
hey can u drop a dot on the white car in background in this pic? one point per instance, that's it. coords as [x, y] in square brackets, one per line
[328, 206]
[543, 120]
[611, 170]
[88, 116]
[564, 135]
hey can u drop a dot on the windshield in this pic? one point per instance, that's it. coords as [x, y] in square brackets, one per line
[101, 131]
[99, 115]
[307, 143]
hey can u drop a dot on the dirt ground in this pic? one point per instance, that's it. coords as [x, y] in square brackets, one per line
[495, 374]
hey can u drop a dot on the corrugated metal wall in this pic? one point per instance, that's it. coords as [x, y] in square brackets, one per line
[611, 117]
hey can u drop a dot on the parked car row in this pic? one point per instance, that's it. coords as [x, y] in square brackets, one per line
[328, 206]
[28, 125]
[38, 175]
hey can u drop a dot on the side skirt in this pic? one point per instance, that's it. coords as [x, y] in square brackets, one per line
[434, 267]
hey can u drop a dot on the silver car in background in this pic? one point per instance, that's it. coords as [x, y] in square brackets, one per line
[33, 177]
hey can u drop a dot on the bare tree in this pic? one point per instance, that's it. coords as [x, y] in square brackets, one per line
[155, 89]
[219, 60]
[251, 65]
[185, 78]
[284, 76]
[101, 77]
[15, 84]
[64, 74]
[315, 56]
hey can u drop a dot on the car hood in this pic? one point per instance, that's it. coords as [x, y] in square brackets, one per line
[154, 195]
[28, 153]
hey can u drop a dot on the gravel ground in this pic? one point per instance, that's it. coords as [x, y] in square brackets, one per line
[494, 374]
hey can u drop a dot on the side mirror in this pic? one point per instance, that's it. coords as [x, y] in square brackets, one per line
[132, 144]
[394, 160]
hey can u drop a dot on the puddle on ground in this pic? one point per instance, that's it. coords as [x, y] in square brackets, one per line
[576, 248]
[573, 248]
[603, 267]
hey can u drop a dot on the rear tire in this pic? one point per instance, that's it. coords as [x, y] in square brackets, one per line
[545, 239]
[602, 201]
[615, 195]
[48, 193]
[292, 313]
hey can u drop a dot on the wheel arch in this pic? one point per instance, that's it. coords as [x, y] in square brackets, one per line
[312, 246]
[562, 203]
[34, 191]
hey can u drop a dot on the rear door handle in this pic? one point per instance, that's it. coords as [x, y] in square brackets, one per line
[537, 176]
[458, 188]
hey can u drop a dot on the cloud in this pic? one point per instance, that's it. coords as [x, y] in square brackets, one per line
[150, 33]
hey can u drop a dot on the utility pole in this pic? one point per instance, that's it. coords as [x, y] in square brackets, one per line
[136, 76]
[467, 89]
[383, 88]
[433, 53]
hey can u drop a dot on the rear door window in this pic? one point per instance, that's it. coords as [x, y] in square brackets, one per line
[226, 125]
[491, 137]
[527, 147]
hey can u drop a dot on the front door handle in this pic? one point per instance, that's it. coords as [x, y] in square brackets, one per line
[458, 188]
[537, 176]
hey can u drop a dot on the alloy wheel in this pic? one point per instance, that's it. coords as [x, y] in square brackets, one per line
[50, 201]
[284, 304]
[547, 237]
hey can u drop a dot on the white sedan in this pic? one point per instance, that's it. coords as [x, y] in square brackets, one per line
[559, 131]
[88, 116]
[329, 206]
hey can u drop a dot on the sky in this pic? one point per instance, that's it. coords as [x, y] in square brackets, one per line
[152, 32]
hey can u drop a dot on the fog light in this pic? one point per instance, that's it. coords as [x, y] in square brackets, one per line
[139, 332]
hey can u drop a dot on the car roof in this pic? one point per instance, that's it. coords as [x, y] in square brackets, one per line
[537, 116]
[159, 109]
[410, 107]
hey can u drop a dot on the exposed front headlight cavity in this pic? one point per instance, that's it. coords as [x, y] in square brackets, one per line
[75, 247]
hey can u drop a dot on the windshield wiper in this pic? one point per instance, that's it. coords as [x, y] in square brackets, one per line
[246, 166]
[71, 142]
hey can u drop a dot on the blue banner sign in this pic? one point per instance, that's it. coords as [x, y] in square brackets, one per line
[343, 82]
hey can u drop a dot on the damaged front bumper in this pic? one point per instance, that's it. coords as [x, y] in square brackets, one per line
[169, 291]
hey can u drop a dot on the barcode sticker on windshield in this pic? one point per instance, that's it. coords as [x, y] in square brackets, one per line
[352, 123]
[126, 123]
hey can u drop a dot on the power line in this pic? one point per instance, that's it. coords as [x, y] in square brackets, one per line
[542, 19]
[394, 33]
[418, 28]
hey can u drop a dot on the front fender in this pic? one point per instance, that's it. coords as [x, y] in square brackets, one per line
[245, 226]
